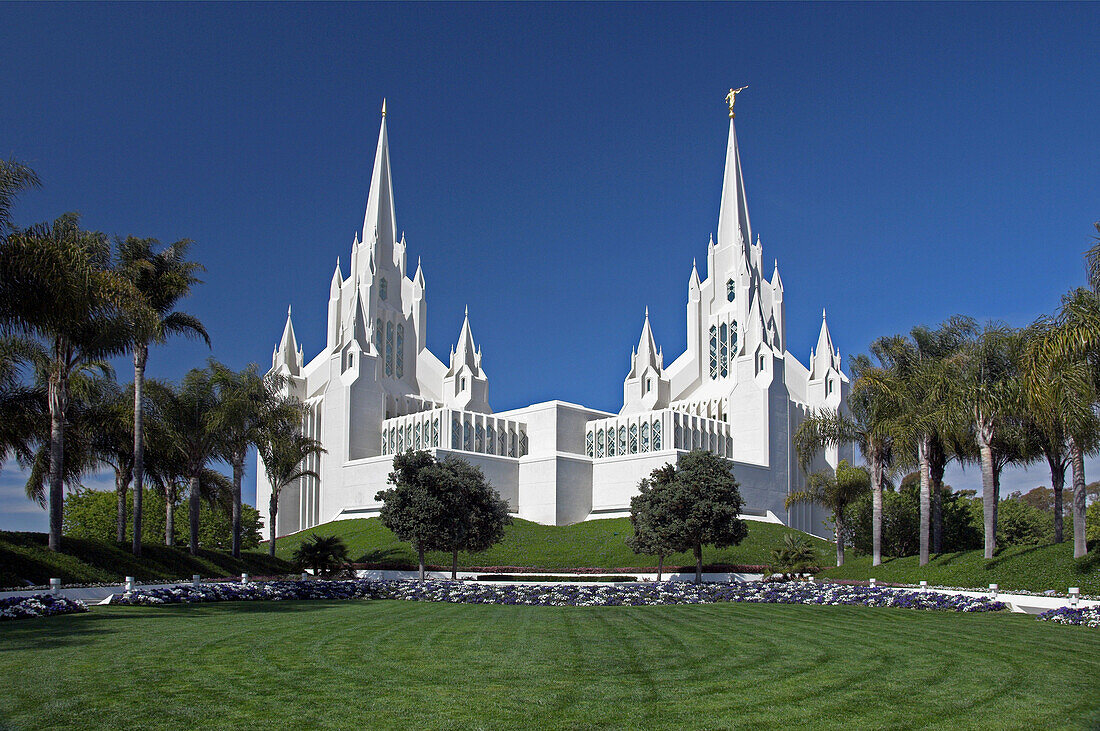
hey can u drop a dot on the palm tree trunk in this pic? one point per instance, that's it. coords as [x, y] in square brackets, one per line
[698, 563]
[122, 485]
[273, 508]
[989, 497]
[839, 538]
[58, 397]
[936, 469]
[454, 564]
[660, 565]
[876, 510]
[238, 476]
[141, 355]
[1080, 547]
[193, 515]
[420, 556]
[1057, 484]
[924, 446]
[170, 516]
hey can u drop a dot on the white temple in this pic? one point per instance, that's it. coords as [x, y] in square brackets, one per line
[376, 390]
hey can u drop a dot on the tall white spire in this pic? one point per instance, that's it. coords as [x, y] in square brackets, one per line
[647, 354]
[466, 353]
[380, 222]
[288, 354]
[733, 216]
[824, 356]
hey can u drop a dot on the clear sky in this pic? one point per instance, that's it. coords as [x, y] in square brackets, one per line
[557, 167]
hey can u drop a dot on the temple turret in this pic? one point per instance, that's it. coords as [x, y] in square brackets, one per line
[824, 356]
[646, 387]
[287, 357]
[465, 384]
[380, 222]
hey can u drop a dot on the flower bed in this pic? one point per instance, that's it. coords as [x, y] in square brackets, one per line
[565, 595]
[1084, 617]
[38, 605]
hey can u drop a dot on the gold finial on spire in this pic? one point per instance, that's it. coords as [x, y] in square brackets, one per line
[732, 97]
[384, 107]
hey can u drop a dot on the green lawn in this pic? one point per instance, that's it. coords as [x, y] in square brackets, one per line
[591, 544]
[1034, 568]
[24, 557]
[388, 664]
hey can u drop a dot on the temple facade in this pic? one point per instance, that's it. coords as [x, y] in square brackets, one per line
[376, 390]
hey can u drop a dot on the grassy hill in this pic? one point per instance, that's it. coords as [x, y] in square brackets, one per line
[24, 557]
[591, 544]
[1033, 568]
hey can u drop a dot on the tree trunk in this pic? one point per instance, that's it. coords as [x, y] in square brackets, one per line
[839, 537]
[1080, 547]
[238, 476]
[876, 510]
[936, 466]
[273, 509]
[122, 484]
[420, 556]
[59, 398]
[698, 563]
[660, 565]
[454, 564]
[193, 515]
[989, 497]
[170, 516]
[924, 447]
[141, 354]
[1057, 484]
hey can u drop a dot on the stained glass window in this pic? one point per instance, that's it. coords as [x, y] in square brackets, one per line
[503, 444]
[733, 338]
[389, 348]
[512, 440]
[490, 438]
[589, 441]
[385, 445]
[479, 438]
[599, 443]
[400, 439]
[622, 439]
[645, 436]
[611, 442]
[400, 351]
[633, 438]
[522, 443]
[724, 356]
[679, 437]
[378, 336]
[435, 432]
[383, 289]
[416, 437]
[731, 290]
[393, 439]
[656, 435]
[467, 437]
[713, 352]
[456, 434]
[729, 446]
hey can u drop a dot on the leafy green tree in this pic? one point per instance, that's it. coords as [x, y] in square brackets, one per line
[284, 450]
[834, 491]
[417, 508]
[962, 528]
[1020, 524]
[83, 320]
[323, 554]
[477, 514]
[794, 558]
[161, 278]
[652, 517]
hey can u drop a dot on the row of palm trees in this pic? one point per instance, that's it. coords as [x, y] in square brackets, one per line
[69, 302]
[991, 395]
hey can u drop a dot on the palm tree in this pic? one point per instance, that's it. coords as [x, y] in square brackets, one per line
[834, 491]
[80, 322]
[284, 449]
[187, 420]
[247, 401]
[112, 443]
[22, 407]
[794, 558]
[162, 279]
[870, 424]
[14, 178]
[323, 554]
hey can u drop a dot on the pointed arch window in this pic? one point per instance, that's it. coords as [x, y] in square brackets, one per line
[456, 434]
[656, 435]
[400, 358]
[383, 289]
[389, 348]
[633, 438]
[713, 352]
[589, 443]
[378, 336]
[731, 290]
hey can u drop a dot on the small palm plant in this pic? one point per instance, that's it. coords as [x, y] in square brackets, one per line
[323, 554]
[834, 491]
[794, 559]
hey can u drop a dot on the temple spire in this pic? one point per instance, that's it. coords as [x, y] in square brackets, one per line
[379, 222]
[824, 356]
[647, 349]
[288, 353]
[733, 215]
[466, 353]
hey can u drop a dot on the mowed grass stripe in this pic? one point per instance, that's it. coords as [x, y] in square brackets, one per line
[417, 665]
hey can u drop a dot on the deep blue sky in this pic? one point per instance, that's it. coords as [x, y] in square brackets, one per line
[558, 166]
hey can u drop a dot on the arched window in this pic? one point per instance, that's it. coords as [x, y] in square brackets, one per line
[467, 437]
[723, 357]
[645, 436]
[599, 443]
[656, 435]
[383, 289]
[389, 348]
[713, 352]
[456, 434]
[490, 439]
[633, 438]
[731, 290]
[378, 336]
[400, 351]
[479, 439]
[589, 443]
